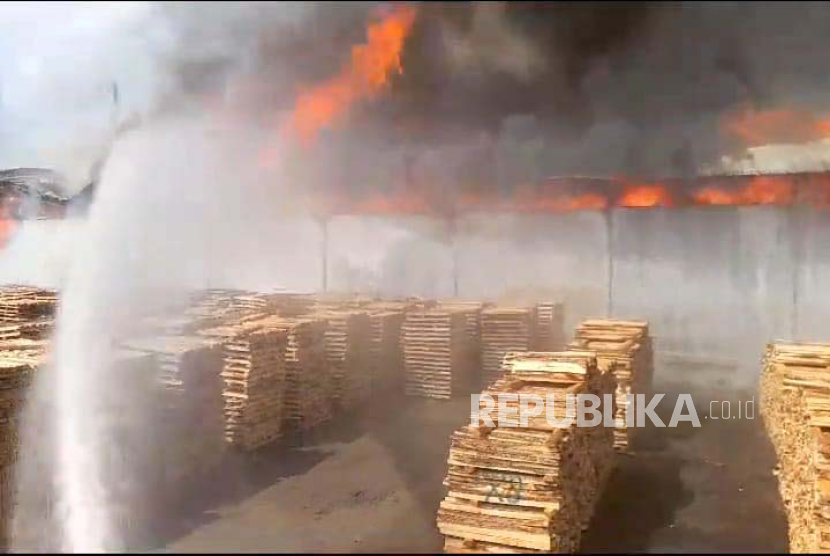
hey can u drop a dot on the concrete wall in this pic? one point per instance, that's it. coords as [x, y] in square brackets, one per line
[715, 283]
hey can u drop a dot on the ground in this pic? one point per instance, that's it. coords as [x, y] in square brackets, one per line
[372, 483]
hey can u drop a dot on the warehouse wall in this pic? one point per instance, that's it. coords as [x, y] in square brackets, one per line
[715, 283]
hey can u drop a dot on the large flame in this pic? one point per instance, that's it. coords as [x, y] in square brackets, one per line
[763, 127]
[761, 190]
[366, 74]
[8, 225]
[574, 194]
[646, 196]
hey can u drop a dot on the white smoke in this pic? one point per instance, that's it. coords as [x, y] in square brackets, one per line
[182, 204]
[72, 71]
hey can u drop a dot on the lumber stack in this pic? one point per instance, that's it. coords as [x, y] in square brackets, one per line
[795, 406]
[17, 367]
[347, 340]
[22, 304]
[504, 329]
[472, 313]
[528, 489]
[215, 307]
[385, 351]
[191, 410]
[308, 395]
[254, 381]
[290, 305]
[436, 354]
[550, 323]
[39, 329]
[627, 346]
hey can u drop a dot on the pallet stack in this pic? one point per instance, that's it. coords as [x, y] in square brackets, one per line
[472, 312]
[504, 329]
[550, 323]
[385, 351]
[191, 411]
[528, 489]
[436, 353]
[348, 338]
[24, 304]
[17, 368]
[308, 395]
[254, 381]
[627, 346]
[795, 406]
[37, 330]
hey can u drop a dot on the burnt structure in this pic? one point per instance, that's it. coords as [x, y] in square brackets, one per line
[31, 193]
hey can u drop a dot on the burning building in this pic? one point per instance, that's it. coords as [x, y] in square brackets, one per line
[607, 157]
[29, 193]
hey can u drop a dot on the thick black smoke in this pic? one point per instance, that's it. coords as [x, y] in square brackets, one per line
[518, 91]
[498, 95]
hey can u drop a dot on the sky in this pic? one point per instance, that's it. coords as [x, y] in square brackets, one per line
[59, 61]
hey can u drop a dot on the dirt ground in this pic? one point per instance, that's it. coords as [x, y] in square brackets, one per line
[372, 483]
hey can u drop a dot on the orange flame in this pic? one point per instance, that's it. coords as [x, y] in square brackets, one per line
[575, 194]
[7, 226]
[756, 128]
[761, 190]
[363, 77]
[645, 196]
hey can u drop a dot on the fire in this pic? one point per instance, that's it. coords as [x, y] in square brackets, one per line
[7, 226]
[587, 201]
[761, 190]
[366, 74]
[645, 196]
[756, 128]
[577, 194]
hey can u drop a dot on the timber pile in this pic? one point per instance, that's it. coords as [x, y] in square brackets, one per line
[188, 378]
[436, 354]
[385, 350]
[255, 382]
[308, 395]
[34, 330]
[214, 308]
[795, 405]
[347, 341]
[528, 489]
[504, 329]
[550, 323]
[626, 345]
[472, 313]
[17, 367]
[24, 305]
[290, 305]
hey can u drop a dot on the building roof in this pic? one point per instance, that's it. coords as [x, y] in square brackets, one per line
[47, 184]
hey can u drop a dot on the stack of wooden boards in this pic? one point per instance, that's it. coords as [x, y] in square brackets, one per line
[504, 329]
[528, 489]
[17, 367]
[795, 405]
[26, 321]
[22, 304]
[385, 349]
[625, 345]
[347, 341]
[26, 312]
[436, 352]
[308, 395]
[254, 379]
[550, 326]
[472, 311]
[189, 404]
